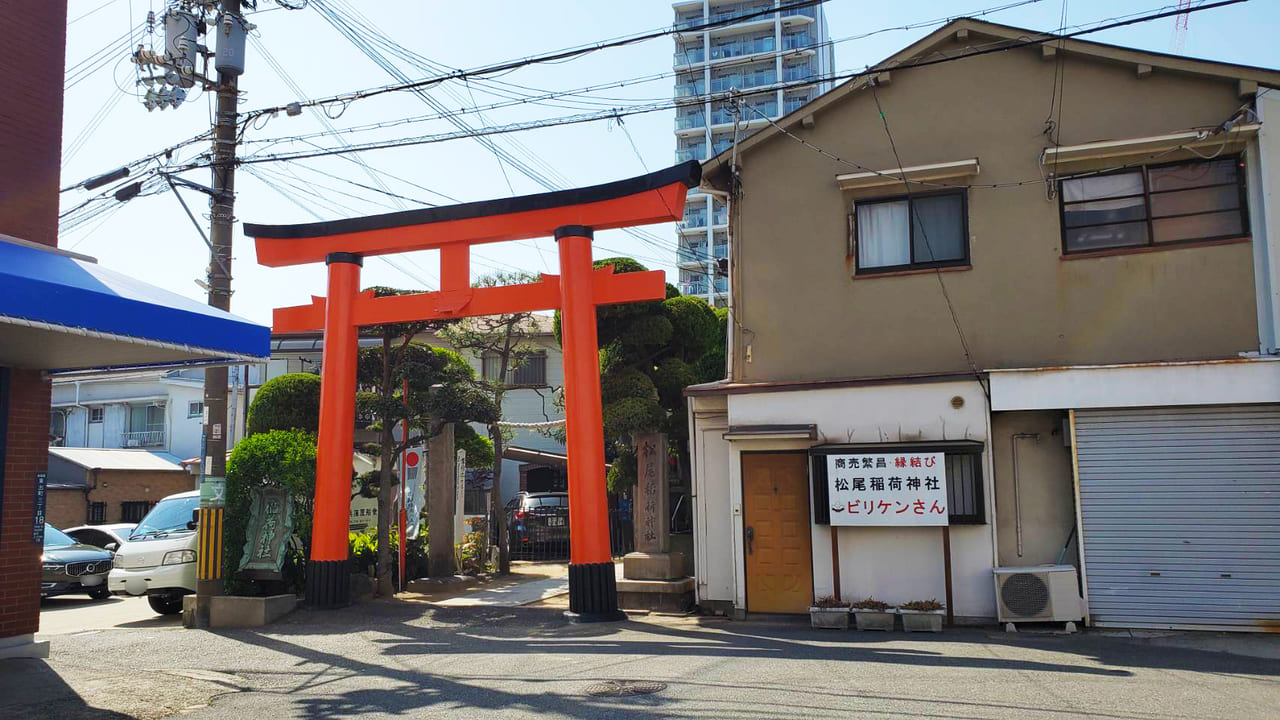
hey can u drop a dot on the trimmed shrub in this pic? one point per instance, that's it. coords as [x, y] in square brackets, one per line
[288, 402]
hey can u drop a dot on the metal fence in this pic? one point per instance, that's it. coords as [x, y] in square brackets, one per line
[535, 547]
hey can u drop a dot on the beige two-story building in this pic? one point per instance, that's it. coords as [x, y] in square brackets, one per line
[1048, 266]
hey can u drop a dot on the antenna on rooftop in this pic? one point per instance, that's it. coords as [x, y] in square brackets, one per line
[1180, 26]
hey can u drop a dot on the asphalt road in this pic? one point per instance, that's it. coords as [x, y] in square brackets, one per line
[65, 614]
[389, 659]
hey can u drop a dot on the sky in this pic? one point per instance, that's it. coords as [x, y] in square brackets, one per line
[151, 238]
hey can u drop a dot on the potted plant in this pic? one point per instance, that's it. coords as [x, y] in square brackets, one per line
[830, 612]
[872, 614]
[922, 616]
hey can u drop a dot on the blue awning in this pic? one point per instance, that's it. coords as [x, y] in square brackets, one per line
[62, 311]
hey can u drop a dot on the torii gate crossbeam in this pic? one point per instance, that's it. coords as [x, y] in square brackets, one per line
[571, 216]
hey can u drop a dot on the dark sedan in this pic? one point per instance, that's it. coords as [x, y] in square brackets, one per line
[70, 567]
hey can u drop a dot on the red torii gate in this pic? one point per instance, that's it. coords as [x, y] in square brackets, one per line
[571, 216]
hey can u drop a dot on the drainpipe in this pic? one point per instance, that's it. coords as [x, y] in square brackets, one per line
[87, 504]
[728, 233]
[1017, 490]
[86, 414]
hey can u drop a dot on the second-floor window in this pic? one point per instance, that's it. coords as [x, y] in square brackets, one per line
[146, 426]
[1153, 206]
[195, 409]
[905, 233]
[146, 418]
[532, 370]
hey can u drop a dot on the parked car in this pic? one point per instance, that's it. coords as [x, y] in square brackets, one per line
[111, 537]
[71, 567]
[535, 519]
[159, 560]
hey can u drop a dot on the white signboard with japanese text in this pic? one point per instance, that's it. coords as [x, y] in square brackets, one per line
[895, 489]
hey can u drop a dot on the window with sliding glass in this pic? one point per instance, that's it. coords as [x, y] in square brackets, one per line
[1154, 206]
[912, 232]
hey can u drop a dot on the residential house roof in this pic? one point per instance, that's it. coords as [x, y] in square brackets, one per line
[117, 459]
[961, 37]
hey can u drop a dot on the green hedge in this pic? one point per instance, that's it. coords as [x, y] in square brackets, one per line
[287, 402]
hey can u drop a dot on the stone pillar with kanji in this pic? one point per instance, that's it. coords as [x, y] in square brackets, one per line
[652, 559]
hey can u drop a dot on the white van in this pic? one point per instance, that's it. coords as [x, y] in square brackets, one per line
[159, 560]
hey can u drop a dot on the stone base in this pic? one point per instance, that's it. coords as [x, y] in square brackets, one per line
[653, 566]
[361, 586]
[191, 618]
[656, 595]
[23, 646]
[231, 611]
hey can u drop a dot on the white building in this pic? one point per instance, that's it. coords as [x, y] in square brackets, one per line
[763, 50]
[157, 410]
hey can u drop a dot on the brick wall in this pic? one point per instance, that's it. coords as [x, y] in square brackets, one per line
[31, 67]
[69, 508]
[116, 487]
[65, 508]
[26, 453]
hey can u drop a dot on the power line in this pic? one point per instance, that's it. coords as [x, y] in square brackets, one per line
[293, 85]
[915, 219]
[688, 101]
[554, 56]
[655, 107]
[423, 62]
[103, 6]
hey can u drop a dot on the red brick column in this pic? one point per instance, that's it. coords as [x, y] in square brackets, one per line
[26, 453]
[31, 66]
[32, 60]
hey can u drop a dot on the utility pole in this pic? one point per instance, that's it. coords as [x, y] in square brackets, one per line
[230, 30]
[170, 73]
[223, 215]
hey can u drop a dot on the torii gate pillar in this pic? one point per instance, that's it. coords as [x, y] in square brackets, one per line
[593, 590]
[328, 576]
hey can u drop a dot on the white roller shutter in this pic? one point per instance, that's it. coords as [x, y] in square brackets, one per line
[1181, 516]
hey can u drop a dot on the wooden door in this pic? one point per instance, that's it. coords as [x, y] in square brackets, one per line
[775, 494]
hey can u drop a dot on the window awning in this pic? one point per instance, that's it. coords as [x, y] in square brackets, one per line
[893, 177]
[1109, 153]
[61, 311]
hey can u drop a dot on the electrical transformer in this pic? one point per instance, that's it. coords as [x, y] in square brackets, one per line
[230, 52]
[180, 28]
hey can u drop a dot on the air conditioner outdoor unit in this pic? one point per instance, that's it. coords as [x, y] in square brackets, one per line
[1040, 593]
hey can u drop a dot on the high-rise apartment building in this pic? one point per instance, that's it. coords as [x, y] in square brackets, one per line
[760, 51]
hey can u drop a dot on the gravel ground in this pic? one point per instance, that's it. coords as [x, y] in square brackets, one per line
[396, 659]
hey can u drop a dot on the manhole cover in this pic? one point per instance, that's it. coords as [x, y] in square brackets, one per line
[624, 688]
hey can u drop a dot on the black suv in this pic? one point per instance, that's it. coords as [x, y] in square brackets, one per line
[538, 519]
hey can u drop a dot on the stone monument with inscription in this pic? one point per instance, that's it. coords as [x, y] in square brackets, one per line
[653, 576]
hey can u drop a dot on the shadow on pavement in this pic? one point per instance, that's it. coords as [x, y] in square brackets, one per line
[30, 688]
[72, 602]
[154, 622]
[523, 630]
